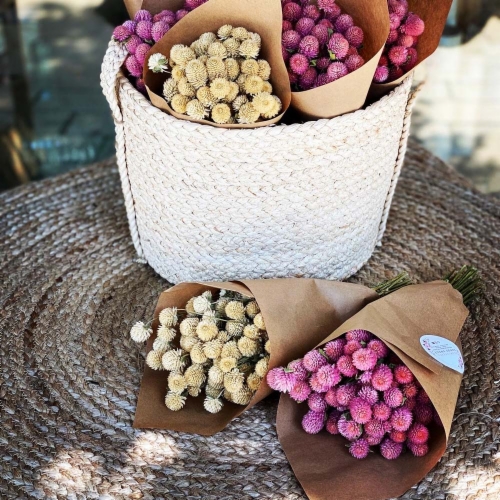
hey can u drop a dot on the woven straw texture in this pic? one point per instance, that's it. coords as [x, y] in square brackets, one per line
[69, 374]
[301, 200]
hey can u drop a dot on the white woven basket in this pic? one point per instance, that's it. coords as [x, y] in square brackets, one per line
[206, 203]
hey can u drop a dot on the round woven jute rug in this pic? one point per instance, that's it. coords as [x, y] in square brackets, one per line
[69, 375]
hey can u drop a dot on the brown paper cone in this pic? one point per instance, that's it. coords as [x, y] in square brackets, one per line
[349, 93]
[153, 6]
[434, 15]
[260, 16]
[298, 314]
[322, 462]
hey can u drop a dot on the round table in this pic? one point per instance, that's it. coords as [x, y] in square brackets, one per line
[70, 288]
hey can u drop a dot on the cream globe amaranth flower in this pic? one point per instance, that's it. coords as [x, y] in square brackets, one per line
[158, 63]
[213, 405]
[174, 401]
[153, 360]
[140, 332]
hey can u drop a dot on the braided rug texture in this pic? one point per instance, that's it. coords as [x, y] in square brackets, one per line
[208, 203]
[69, 374]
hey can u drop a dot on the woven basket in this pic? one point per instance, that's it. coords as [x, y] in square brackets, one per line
[307, 199]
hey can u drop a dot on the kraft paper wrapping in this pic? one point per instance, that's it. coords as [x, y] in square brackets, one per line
[153, 6]
[260, 16]
[349, 93]
[322, 462]
[299, 313]
[434, 15]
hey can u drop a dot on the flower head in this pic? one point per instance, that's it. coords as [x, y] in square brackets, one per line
[336, 70]
[143, 15]
[144, 29]
[248, 113]
[418, 434]
[140, 332]
[346, 366]
[179, 103]
[309, 46]
[121, 34]
[281, 380]
[188, 326]
[195, 375]
[227, 364]
[249, 49]
[360, 409]
[423, 414]
[253, 85]
[304, 26]
[230, 349]
[291, 39]
[215, 377]
[334, 349]
[160, 28]
[313, 422]
[248, 347]
[233, 381]
[316, 402]
[354, 62]
[332, 424]
[197, 354]
[240, 33]
[224, 31]
[300, 391]
[174, 401]
[242, 396]
[253, 381]
[331, 397]
[355, 36]
[133, 66]
[403, 375]
[364, 359]
[343, 23]
[161, 345]
[419, 450]
[393, 397]
[177, 383]
[401, 419]
[390, 449]
[213, 405]
[327, 5]
[168, 316]
[345, 393]
[132, 43]
[373, 440]
[299, 63]
[292, 12]
[350, 429]
[359, 449]
[207, 330]
[234, 309]
[374, 428]
[381, 74]
[369, 394]
[153, 360]
[413, 26]
[262, 366]
[382, 378]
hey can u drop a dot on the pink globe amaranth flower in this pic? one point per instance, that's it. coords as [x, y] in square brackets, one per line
[359, 335]
[381, 412]
[327, 5]
[298, 368]
[166, 15]
[366, 378]
[286, 26]
[309, 46]
[355, 36]
[344, 363]
[410, 403]
[292, 12]
[316, 402]
[343, 23]
[397, 436]
[140, 85]
[132, 43]
[304, 26]
[393, 397]
[285, 54]
[418, 450]
[144, 29]
[418, 434]
[193, 4]
[300, 391]
[332, 425]
[395, 72]
[381, 74]
[384, 61]
[423, 414]
[328, 375]
[392, 37]
[403, 375]
[422, 397]
[290, 39]
[361, 411]
[281, 380]
[387, 426]
[335, 348]
[335, 71]
[394, 20]
[382, 378]
[389, 449]
[352, 346]
[143, 15]
[405, 41]
[159, 30]
[374, 428]
[413, 26]
[369, 394]
[322, 64]
[316, 383]
[313, 422]
[401, 419]
[345, 393]
[398, 8]
[181, 13]
[327, 23]
[293, 77]
[331, 397]
[321, 33]
[130, 25]
[364, 359]
[333, 14]
[133, 66]
[313, 360]
[121, 34]
[141, 51]
[354, 62]
[359, 449]
[410, 390]
[350, 429]
[322, 79]
[412, 59]
[373, 440]
[398, 55]
[312, 12]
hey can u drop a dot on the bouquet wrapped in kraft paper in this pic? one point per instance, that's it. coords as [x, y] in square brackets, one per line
[433, 15]
[323, 462]
[298, 314]
[153, 6]
[262, 17]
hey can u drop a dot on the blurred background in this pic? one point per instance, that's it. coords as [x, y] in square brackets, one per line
[54, 118]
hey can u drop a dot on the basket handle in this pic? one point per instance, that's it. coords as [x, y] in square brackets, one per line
[113, 60]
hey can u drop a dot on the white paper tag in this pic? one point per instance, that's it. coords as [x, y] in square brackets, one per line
[444, 351]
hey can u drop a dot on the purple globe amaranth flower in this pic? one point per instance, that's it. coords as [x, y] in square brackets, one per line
[331, 397]
[309, 46]
[344, 363]
[395, 72]
[366, 378]
[327, 5]
[141, 52]
[312, 12]
[133, 66]
[338, 46]
[166, 15]
[316, 402]
[313, 422]
[159, 30]
[410, 403]
[329, 375]
[412, 59]
[410, 390]
[398, 8]
[377, 346]
[121, 34]
[298, 368]
[359, 335]
[304, 26]
[352, 346]
[144, 29]
[300, 391]
[423, 414]
[343, 23]
[354, 62]
[286, 25]
[394, 21]
[350, 429]
[398, 55]
[413, 26]
[140, 85]
[335, 348]
[281, 380]
[355, 36]
[374, 428]
[392, 37]
[321, 33]
[322, 64]
[181, 13]
[345, 393]
[327, 23]
[285, 54]
[322, 79]
[403, 375]
[332, 424]
[382, 378]
[291, 39]
[335, 71]
[130, 25]
[390, 450]
[317, 384]
[405, 41]
[313, 360]
[418, 434]
[334, 14]
[193, 4]
[381, 74]
[359, 449]
[292, 77]
[373, 440]
[397, 436]
[361, 410]
[401, 419]
[143, 15]
[132, 43]
[418, 450]
[369, 394]
[381, 412]
[292, 12]
[393, 397]
[364, 359]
